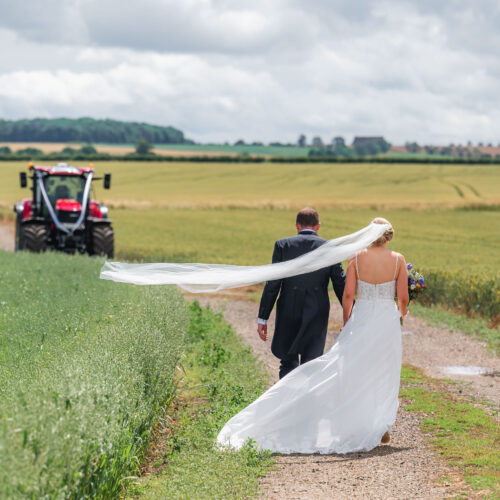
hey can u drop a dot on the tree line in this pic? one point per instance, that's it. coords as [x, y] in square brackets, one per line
[361, 146]
[455, 150]
[87, 130]
[143, 148]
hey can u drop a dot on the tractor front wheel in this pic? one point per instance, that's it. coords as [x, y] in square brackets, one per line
[103, 240]
[33, 237]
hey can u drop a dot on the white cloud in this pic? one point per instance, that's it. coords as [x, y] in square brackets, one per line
[221, 70]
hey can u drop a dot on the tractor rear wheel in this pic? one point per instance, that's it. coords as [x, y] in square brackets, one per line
[33, 237]
[103, 240]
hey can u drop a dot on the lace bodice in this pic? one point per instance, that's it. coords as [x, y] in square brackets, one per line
[380, 291]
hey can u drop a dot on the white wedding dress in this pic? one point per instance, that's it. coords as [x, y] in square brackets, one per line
[341, 402]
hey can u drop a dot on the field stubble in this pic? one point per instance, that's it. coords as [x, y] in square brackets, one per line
[261, 185]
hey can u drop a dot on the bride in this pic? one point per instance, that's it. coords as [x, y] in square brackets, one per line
[347, 399]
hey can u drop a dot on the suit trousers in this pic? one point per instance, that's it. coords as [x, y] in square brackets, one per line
[291, 361]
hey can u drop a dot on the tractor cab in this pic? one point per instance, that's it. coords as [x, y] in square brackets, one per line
[65, 193]
[60, 214]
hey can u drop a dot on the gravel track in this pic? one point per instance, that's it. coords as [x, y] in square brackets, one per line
[404, 469]
[6, 236]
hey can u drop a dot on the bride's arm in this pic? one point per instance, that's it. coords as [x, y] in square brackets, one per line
[402, 287]
[349, 290]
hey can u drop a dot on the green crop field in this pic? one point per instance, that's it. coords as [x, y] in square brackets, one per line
[282, 151]
[85, 366]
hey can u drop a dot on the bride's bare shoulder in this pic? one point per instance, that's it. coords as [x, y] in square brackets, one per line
[401, 259]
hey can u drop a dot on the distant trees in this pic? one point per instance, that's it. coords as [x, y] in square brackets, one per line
[370, 145]
[317, 142]
[340, 148]
[143, 147]
[240, 142]
[88, 149]
[29, 151]
[87, 130]
[302, 142]
[412, 147]
[362, 146]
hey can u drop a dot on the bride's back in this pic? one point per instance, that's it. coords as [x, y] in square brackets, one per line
[377, 265]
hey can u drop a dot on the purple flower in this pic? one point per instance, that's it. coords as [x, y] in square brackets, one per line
[421, 281]
[409, 266]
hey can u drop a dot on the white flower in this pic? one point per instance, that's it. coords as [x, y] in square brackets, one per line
[413, 287]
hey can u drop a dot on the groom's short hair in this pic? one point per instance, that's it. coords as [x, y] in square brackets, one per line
[307, 217]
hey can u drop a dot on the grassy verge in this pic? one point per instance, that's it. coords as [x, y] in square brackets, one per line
[85, 366]
[477, 328]
[220, 377]
[462, 433]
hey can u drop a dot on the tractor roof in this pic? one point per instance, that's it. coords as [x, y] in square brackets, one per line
[63, 169]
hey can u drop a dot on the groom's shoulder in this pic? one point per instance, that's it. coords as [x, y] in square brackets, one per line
[297, 239]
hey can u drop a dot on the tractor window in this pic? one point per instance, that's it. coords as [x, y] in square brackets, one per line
[64, 186]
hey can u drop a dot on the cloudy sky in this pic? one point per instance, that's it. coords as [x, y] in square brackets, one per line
[219, 70]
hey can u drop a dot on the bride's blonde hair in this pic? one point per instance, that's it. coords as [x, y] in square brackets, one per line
[387, 236]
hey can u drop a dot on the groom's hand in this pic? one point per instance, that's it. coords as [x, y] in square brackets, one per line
[262, 331]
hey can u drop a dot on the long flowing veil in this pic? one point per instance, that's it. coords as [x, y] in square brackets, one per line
[215, 277]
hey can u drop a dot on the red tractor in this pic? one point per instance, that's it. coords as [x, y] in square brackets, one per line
[60, 215]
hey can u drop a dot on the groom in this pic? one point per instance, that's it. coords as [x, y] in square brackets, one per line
[303, 303]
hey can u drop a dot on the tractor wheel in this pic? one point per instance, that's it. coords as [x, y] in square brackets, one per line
[33, 237]
[103, 240]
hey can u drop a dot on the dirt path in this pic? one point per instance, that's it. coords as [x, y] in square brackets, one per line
[6, 236]
[429, 348]
[432, 349]
[405, 469]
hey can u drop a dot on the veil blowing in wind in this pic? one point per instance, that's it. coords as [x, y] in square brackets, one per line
[198, 278]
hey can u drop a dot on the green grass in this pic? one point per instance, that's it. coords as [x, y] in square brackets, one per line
[221, 377]
[280, 151]
[464, 434]
[477, 327]
[85, 365]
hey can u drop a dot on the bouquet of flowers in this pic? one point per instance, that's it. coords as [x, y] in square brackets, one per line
[416, 282]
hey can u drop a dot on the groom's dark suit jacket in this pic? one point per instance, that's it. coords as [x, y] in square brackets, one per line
[303, 303]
